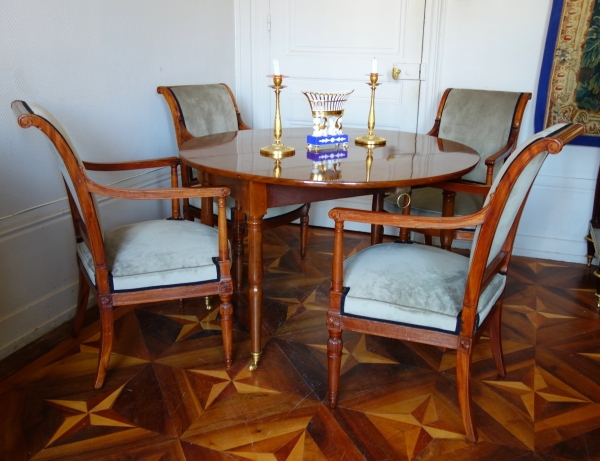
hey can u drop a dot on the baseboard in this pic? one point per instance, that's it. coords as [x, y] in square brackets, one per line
[533, 246]
[49, 312]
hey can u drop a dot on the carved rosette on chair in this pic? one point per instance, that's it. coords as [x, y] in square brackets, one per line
[427, 295]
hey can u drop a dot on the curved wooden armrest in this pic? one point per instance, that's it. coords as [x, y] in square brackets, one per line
[501, 154]
[135, 165]
[409, 221]
[156, 194]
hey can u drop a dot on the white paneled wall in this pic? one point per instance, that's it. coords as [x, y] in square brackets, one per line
[95, 65]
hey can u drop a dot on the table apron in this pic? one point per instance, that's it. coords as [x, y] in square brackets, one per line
[279, 195]
[283, 195]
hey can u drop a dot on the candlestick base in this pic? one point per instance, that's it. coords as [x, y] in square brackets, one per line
[370, 140]
[277, 151]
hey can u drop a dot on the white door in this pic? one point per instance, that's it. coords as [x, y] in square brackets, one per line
[329, 46]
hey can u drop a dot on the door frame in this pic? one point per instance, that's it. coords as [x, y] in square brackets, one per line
[252, 62]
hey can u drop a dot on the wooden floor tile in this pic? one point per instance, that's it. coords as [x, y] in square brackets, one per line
[168, 395]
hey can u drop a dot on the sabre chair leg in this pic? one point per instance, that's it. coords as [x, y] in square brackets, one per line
[106, 339]
[463, 381]
[226, 314]
[304, 230]
[334, 354]
[82, 302]
[496, 338]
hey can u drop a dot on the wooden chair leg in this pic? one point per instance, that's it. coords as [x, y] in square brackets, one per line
[463, 382]
[186, 173]
[238, 230]
[106, 339]
[496, 338]
[304, 230]
[82, 302]
[226, 314]
[428, 240]
[335, 346]
[446, 236]
[376, 229]
[597, 275]
[405, 231]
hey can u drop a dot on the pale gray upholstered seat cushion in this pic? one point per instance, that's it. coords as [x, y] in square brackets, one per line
[416, 285]
[157, 253]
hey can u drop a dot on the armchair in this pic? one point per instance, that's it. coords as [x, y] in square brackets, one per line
[487, 121]
[149, 261]
[427, 295]
[199, 110]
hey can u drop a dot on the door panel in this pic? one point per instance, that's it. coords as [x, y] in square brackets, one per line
[328, 46]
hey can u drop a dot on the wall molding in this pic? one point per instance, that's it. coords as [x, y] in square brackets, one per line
[24, 323]
[59, 210]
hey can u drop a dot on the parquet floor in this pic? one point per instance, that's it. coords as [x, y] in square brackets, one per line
[169, 397]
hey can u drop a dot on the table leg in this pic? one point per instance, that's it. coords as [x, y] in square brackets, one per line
[255, 278]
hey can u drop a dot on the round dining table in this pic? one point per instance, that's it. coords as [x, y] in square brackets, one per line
[258, 182]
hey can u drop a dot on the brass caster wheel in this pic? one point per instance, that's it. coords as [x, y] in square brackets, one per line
[207, 303]
[255, 358]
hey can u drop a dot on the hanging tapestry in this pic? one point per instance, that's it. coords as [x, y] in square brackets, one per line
[569, 88]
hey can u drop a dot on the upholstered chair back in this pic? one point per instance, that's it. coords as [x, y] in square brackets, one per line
[517, 195]
[480, 119]
[64, 157]
[206, 109]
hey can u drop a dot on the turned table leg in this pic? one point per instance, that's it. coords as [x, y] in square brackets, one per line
[255, 278]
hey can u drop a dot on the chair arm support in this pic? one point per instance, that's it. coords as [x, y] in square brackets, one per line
[409, 221]
[156, 194]
[501, 154]
[136, 165]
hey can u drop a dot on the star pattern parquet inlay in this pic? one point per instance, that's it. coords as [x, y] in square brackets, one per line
[168, 395]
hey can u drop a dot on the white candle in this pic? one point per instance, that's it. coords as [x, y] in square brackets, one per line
[374, 66]
[276, 70]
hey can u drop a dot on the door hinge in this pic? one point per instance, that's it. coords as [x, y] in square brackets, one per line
[423, 72]
[269, 22]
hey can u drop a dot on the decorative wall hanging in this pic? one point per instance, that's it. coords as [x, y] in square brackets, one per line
[569, 88]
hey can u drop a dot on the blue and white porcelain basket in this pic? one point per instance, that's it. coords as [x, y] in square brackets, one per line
[327, 111]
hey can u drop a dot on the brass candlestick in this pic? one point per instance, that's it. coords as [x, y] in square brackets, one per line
[369, 161]
[371, 139]
[277, 150]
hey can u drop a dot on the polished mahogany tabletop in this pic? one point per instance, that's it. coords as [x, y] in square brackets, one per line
[408, 159]
[257, 183]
